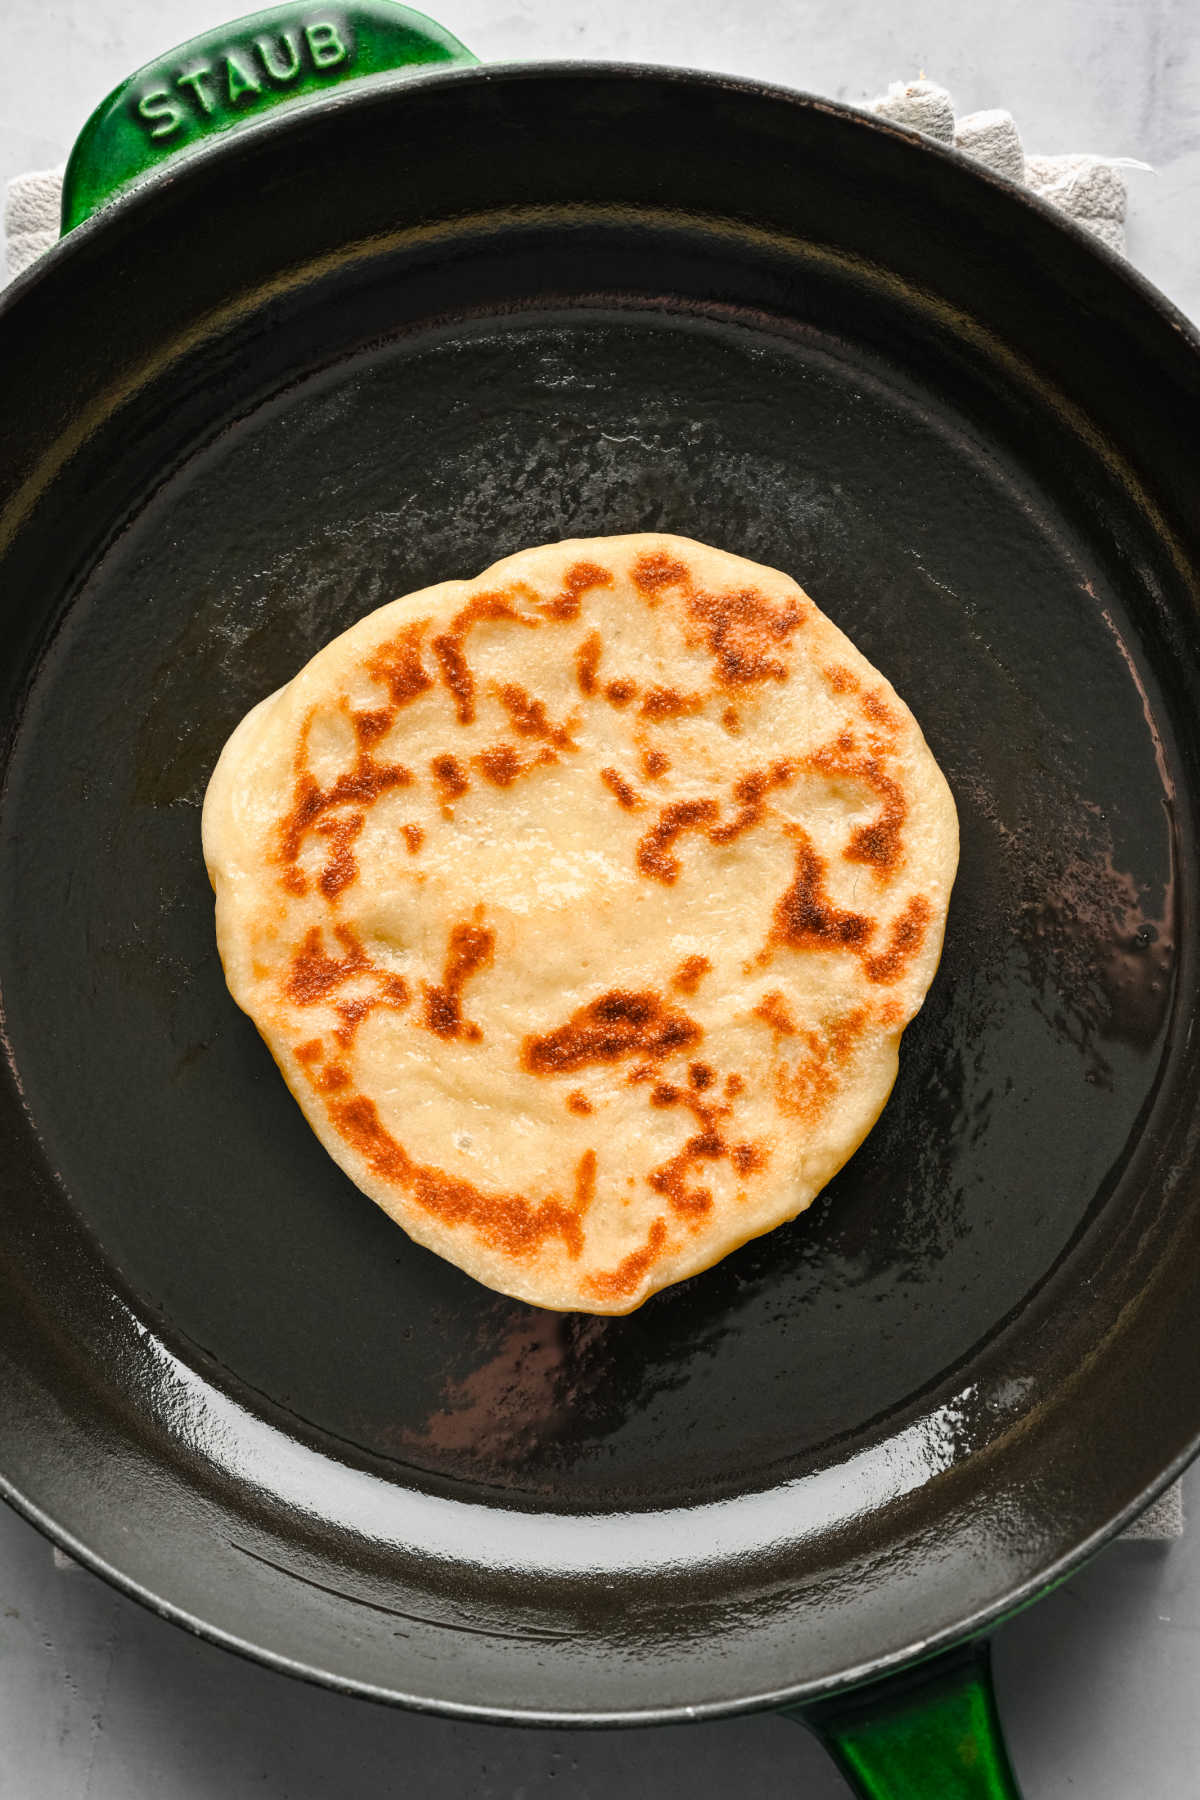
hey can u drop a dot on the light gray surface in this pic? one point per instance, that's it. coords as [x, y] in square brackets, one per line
[100, 1701]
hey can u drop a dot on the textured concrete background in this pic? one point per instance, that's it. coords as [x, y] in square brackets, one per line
[101, 1701]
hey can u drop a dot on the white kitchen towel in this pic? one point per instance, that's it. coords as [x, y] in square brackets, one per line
[31, 207]
[1090, 189]
[1164, 1519]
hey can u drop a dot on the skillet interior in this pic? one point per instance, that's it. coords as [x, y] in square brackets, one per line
[392, 339]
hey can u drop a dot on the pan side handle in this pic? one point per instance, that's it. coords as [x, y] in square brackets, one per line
[932, 1733]
[235, 74]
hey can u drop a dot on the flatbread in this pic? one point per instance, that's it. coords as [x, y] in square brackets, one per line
[583, 905]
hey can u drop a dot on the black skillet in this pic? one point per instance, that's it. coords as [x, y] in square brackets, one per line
[391, 335]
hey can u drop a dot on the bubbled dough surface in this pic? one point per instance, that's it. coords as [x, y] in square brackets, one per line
[565, 886]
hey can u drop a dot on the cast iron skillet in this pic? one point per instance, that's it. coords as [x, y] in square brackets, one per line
[390, 336]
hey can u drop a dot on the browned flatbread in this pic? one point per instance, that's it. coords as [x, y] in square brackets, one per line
[583, 905]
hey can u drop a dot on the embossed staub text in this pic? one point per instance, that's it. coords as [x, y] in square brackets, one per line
[231, 78]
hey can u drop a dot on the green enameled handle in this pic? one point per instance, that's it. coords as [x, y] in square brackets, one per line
[235, 73]
[932, 1733]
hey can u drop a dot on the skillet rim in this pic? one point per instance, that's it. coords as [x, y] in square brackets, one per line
[280, 120]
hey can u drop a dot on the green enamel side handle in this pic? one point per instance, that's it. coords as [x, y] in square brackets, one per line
[239, 72]
[932, 1733]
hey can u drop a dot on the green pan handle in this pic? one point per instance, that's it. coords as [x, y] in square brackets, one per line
[239, 72]
[932, 1733]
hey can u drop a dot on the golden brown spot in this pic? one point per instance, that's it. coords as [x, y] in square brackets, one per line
[529, 719]
[500, 764]
[451, 778]
[579, 578]
[750, 792]
[621, 692]
[511, 1223]
[690, 973]
[369, 727]
[563, 608]
[470, 949]
[747, 1159]
[587, 661]
[311, 1051]
[655, 763]
[314, 975]
[656, 570]
[877, 709]
[457, 678]
[669, 703]
[805, 1089]
[772, 1009]
[414, 837]
[879, 842]
[708, 1144]
[891, 1014]
[734, 1085]
[362, 786]
[585, 1182]
[620, 789]
[806, 918]
[448, 648]
[584, 575]
[342, 867]
[905, 938]
[744, 633]
[332, 1078]
[397, 666]
[616, 1025]
[842, 1033]
[841, 679]
[359, 1123]
[731, 719]
[654, 854]
[391, 992]
[615, 1284]
[671, 1179]
[578, 1102]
